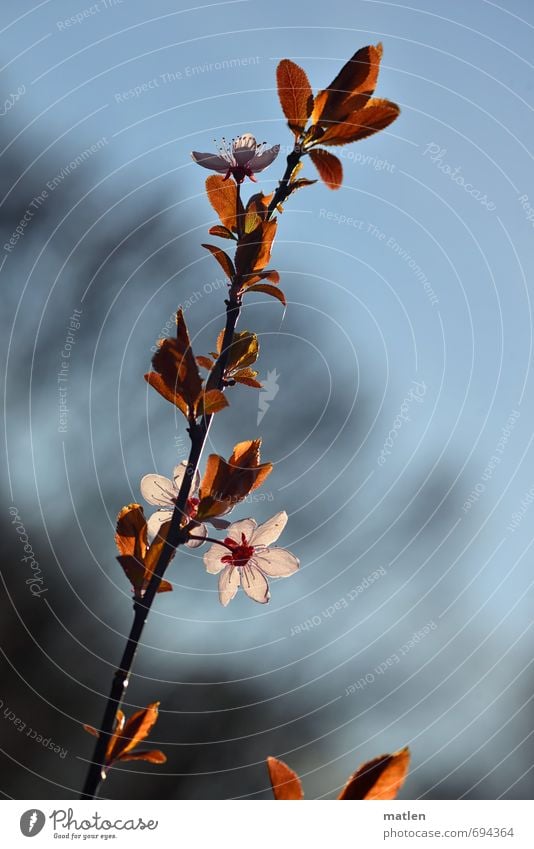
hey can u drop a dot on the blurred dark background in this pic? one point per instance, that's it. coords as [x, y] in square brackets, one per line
[444, 518]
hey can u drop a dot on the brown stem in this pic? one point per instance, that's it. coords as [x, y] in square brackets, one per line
[176, 535]
[283, 191]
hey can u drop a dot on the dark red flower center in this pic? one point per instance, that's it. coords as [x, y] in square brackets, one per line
[239, 172]
[192, 505]
[241, 552]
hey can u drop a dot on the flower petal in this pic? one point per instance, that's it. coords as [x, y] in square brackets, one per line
[201, 531]
[178, 474]
[228, 584]
[155, 522]
[213, 558]
[211, 161]
[255, 584]
[277, 562]
[158, 490]
[220, 524]
[244, 148]
[245, 526]
[270, 530]
[262, 160]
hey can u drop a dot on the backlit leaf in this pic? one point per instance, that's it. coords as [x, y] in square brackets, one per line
[224, 483]
[301, 183]
[130, 535]
[254, 249]
[152, 756]
[248, 377]
[380, 778]
[222, 232]
[223, 259]
[175, 362]
[136, 729]
[351, 88]
[376, 116]
[295, 94]
[222, 194]
[285, 783]
[329, 167]
[211, 402]
[266, 274]
[157, 383]
[267, 289]
[205, 362]
[243, 351]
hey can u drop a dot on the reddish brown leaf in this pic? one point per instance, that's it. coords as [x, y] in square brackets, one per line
[211, 402]
[243, 351]
[152, 756]
[301, 183]
[285, 783]
[138, 566]
[351, 88]
[175, 362]
[205, 362]
[222, 194]
[267, 274]
[376, 116]
[254, 249]
[226, 483]
[248, 377]
[223, 259]
[295, 94]
[274, 291]
[91, 730]
[134, 732]
[130, 535]
[157, 383]
[222, 232]
[380, 778]
[329, 167]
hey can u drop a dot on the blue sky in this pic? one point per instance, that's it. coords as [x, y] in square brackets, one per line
[442, 196]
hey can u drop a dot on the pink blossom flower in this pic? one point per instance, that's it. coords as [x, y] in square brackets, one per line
[159, 490]
[246, 559]
[244, 157]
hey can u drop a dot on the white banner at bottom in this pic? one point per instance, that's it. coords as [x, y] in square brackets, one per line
[236, 824]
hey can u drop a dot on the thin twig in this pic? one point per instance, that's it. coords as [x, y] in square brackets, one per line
[177, 535]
